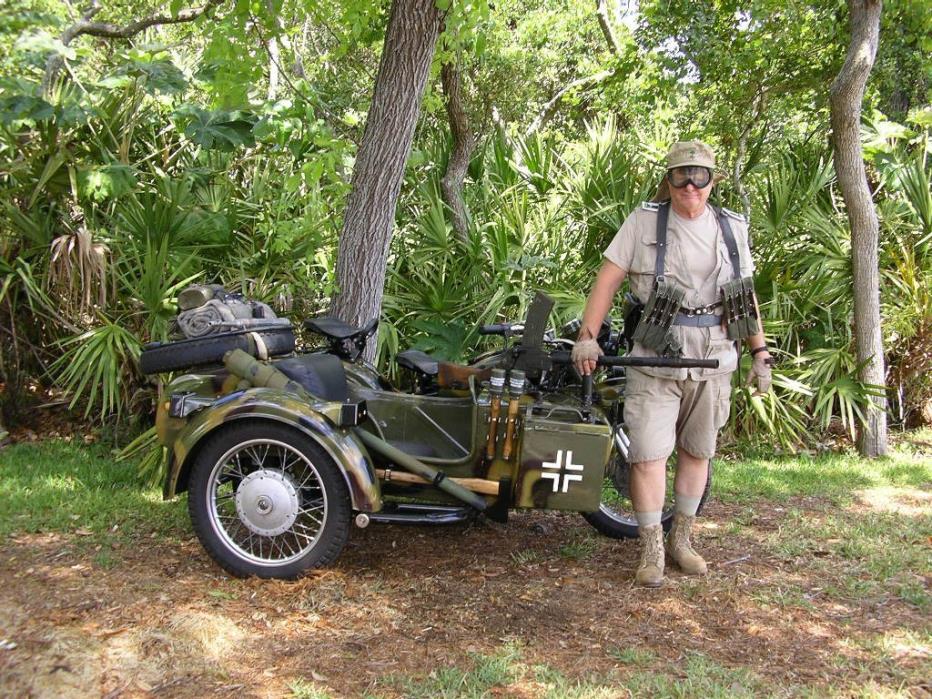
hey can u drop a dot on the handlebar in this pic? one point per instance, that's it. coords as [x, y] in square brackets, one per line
[563, 357]
[501, 328]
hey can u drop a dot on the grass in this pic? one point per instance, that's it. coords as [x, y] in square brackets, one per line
[486, 672]
[858, 551]
[302, 689]
[583, 544]
[638, 657]
[505, 673]
[830, 475]
[871, 555]
[56, 486]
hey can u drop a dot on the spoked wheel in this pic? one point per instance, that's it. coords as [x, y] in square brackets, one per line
[268, 501]
[615, 516]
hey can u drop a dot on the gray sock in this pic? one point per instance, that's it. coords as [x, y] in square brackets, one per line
[686, 504]
[647, 519]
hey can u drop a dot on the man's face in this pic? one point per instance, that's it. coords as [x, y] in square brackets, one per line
[690, 200]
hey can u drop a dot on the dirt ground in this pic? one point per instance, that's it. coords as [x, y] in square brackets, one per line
[158, 618]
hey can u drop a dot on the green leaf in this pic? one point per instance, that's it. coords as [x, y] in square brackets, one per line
[107, 182]
[24, 108]
[55, 161]
[219, 130]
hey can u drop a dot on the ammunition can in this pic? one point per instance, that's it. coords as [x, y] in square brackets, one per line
[562, 463]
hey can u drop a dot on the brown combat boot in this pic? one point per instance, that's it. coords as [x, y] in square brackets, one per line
[650, 570]
[680, 549]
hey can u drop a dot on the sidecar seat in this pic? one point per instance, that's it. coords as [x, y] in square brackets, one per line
[321, 375]
[418, 361]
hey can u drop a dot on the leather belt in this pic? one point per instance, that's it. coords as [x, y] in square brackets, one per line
[701, 310]
[697, 320]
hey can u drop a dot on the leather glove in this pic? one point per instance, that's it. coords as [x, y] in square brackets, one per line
[761, 373]
[585, 354]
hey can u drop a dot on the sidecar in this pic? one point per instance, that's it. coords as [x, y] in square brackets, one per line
[280, 456]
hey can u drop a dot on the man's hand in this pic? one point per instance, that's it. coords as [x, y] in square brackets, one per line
[585, 355]
[761, 373]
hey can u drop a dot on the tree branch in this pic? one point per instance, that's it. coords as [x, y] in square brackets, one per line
[107, 30]
[759, 102]
[464, 143]
[601, 11]
[550, 108]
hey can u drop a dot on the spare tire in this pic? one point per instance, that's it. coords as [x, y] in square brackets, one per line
[171, 356]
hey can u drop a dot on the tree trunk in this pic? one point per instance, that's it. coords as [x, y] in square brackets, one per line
[464, 143]
[845, 98]
[605, 24]
[413, 28]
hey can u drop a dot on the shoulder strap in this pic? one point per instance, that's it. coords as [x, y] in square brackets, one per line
[730, 242]
[663, 216]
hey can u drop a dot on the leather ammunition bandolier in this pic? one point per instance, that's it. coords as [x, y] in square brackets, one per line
[664, 308]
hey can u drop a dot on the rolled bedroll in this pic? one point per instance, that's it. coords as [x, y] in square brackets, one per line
[261, 343]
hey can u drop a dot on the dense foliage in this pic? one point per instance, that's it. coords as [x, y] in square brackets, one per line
[221, 150]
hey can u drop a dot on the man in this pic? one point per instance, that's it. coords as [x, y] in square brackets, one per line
[680, 249]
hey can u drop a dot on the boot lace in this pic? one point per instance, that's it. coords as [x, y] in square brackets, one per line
[652, 548]
[681, 534]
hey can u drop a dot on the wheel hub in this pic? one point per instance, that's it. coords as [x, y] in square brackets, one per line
[267, 502]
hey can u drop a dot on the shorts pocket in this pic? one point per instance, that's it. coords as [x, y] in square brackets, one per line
[724, 351]
[722, 405]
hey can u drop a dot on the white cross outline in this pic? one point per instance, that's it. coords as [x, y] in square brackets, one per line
[560, 466]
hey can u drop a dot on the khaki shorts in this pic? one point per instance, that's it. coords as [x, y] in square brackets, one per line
[663, 413]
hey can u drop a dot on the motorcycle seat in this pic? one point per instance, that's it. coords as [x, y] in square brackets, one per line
[418, 361]
[336, 329]
[321, 375]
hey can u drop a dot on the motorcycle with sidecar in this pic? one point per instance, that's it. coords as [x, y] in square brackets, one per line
[281, 453]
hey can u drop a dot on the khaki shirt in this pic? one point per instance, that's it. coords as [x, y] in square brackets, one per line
[634, 249]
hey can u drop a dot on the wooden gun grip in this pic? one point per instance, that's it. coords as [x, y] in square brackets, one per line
[494, 416]
[513, 405]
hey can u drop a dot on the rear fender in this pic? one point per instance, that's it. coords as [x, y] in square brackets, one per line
[346, 451]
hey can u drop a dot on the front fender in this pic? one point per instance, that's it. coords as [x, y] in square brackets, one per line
[347, 452]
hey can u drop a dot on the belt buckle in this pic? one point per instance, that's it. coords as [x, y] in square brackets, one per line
[700, 311]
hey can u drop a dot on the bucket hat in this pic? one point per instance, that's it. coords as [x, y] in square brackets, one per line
[683, 154]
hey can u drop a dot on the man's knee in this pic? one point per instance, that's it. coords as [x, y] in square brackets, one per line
[649, 466]
[686, 458]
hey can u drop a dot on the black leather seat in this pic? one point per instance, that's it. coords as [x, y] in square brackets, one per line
[418, 361]
[321, 375]
[334, 328]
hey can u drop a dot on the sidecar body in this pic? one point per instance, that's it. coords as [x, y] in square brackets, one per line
[280, 455]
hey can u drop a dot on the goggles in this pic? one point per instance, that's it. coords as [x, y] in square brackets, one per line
[696, 175]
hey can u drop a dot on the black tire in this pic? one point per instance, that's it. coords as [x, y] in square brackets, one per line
[169, 356]
[258, 486]
[615, 516]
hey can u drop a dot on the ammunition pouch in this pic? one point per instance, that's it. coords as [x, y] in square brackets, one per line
[740, 308]
[654, 328]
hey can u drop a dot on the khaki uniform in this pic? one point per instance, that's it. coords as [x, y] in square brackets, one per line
[686, 407]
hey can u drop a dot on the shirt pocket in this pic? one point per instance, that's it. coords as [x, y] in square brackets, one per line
[645, 256]
[724, 352]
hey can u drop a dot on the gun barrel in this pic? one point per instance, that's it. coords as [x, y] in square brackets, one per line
[563, 357]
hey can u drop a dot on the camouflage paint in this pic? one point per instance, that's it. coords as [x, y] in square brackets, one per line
[317, 420]
[444, 426]
[548, 432]
[562, 463]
